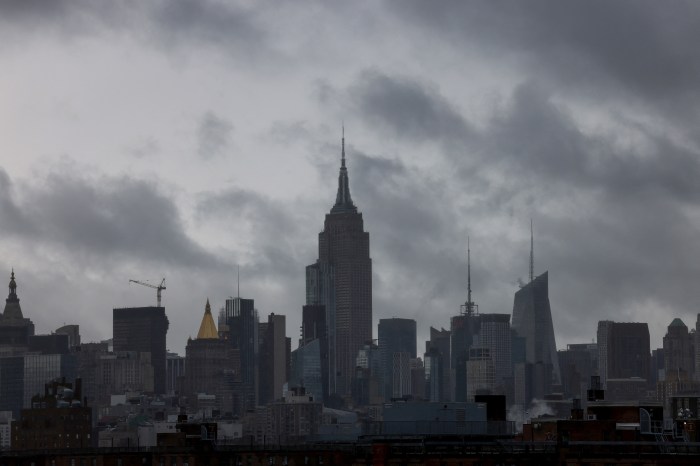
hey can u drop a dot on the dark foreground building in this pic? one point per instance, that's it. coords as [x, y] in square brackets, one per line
[57, 420]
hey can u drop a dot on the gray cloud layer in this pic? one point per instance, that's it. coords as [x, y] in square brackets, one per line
[594, 135]
[105, 217]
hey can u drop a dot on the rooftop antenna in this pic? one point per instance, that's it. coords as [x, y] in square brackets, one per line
[342, 162]
[532, 253]
[238, 291]
[469, 306]
[469, 273]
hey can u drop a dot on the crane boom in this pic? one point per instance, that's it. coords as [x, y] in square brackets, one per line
[158, 288]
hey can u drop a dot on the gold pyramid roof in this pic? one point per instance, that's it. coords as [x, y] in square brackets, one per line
[207, 329]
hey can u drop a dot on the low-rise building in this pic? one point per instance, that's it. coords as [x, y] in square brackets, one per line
[56, 420]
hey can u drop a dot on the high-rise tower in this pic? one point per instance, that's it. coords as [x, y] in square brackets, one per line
[532, 320]
[143, 329]
[341, 280]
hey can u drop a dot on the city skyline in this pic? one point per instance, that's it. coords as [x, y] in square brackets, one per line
[181, 141]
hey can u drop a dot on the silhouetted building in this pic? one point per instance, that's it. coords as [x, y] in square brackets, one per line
[657, 370]
[495, 335]
[12, 384]
[123, 371]
[306, 370]
[15, 329]
[40, 369]
[434, 367]
[577, 364]
[293, 418]
[417, 379]
[367, 388]
[679, 351]
[88, 357]
[274, 370]
[242, 319]
[464, 328]
[174, 369]
[341, 280]
[623, 349]
[143, 329]
[481, 373]
[206, 360]
[56, 420]
[532, 319]
[314, 327]
[73, 333]
[437, 370]
[49, 344]
[397, 345]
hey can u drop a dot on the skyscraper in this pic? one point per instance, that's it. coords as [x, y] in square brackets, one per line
[397, 344]
[437, 365]
[273, 358]
[341, 280]
[143, 329]
[242, 320]
[623, 350]
[532, 319]
[679, 351]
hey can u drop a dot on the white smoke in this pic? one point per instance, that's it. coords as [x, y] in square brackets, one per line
[520, 415]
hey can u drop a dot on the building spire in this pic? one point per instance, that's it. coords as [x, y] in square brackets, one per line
[207, 329]
[343, 201]
[12, 308]
[469, 273]
[12, 296]
[532, 253]
[469, 306]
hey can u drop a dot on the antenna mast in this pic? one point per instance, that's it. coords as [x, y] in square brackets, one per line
[532, 253]
[469, 306]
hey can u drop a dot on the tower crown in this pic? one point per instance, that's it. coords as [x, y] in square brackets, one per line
[343, 201]
[207, 329]
[13, 286]
[12, 308]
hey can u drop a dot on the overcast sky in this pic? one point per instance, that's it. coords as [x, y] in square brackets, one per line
[182, 138]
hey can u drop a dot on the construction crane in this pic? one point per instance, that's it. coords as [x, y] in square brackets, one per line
[158, 288]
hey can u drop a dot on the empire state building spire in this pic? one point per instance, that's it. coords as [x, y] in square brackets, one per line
[343, 201]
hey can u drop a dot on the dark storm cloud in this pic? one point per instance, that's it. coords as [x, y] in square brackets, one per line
[213, 136]
[542, 141]
[647, 46]
[610, 217]
[113, 217]
[165, 22]
[406, 108]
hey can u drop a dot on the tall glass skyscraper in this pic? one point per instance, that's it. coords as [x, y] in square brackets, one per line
[532, 320]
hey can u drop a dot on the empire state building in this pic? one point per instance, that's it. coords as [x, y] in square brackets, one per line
[341, 281]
